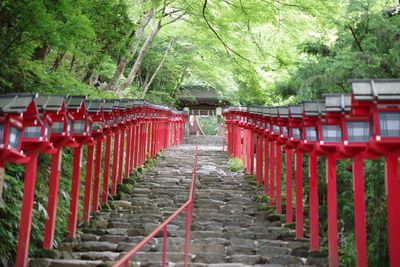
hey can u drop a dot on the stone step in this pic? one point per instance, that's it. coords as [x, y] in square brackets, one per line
[64, 263]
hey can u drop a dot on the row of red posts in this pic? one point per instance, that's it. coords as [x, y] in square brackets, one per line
[362, 125]
[31, 125]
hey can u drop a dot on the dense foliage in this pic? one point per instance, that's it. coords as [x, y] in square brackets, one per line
[252, 52]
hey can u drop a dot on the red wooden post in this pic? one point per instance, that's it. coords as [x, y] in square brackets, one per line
[259, 159]
[299, 195]
[278, 178]
[26, 211]
[313, 184]
[138, 144]
[53, 199]
[393, 207]
[359, 211]
[76, 177]
[154, 139]
[88, 184]
[272, 173]
[149, 140]
[332, 211]
[244, 155]
[266, 166]
[143, 143]
[115, 164]
[97, 167]
[128, 151]
[289, 177]
[251, 151]
[165, 242]
[133, 144]
[238, 141]
[121, 155]
[106, 174]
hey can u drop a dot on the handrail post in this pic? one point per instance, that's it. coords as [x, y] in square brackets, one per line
[164, 255]
[187, 232]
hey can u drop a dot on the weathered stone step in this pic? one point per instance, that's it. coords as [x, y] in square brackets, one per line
[63, 263]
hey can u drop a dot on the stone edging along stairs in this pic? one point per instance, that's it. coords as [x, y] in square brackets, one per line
[229, 228]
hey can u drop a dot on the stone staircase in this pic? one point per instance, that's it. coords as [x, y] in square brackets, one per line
[229, 228]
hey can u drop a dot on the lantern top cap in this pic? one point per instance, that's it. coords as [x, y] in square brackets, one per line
[296, 111]
[138, 102]
[313, 108]
[266, 110]
[122, 104]
[75, 102]
[376, 89]
[94, 105]
[52, 103]
[129, 103]
[337, 102]
[108, 105]
[253, 110]
[16, 103]
[274, 111]
[283, 111]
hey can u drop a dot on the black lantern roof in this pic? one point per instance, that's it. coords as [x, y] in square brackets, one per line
[108, 105]
[253, 110]
[378, 89]
[313, 108]
[259, 109]
[94, 106]
[296, 111]
[129, 103]
[337, 102]
[15, 103]
[138, 102]
[75, 102]
[122, 104]
[274, 111]
[52, 103]
[283, 111]
[266, 110]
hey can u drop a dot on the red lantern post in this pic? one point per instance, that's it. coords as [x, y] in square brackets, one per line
[108, 113]
[281, 140]
[309, 131]
[81, 124]
[355, 135]
[273, 135]
[95, 111]
[266, 131]
[330, 139]
[16, 112]
[54, 106]
[294, 123]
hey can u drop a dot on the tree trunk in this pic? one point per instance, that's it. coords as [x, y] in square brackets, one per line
[132, 50]
[41, 52]
[71, 66]
[88, 76]
[178, 84]
[139, 59]
[147, 84]
[58, 60]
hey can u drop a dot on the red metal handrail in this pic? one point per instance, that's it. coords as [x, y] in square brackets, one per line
[188, 206]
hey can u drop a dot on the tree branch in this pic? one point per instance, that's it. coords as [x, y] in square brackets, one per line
[218, 36]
